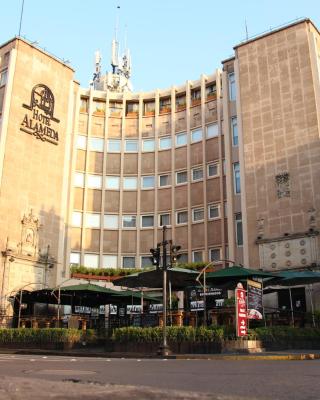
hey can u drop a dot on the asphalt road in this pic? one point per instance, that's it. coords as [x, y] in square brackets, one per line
[38, 376]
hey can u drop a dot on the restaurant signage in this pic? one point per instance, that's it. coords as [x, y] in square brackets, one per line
[155, 308]
[214, 298]
[134, 309]
[241, 310]
[255, 308]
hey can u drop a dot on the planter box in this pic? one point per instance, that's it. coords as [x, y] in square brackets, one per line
[95, 277]
[242, 346]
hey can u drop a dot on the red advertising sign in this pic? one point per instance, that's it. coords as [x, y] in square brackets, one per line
[241, 311]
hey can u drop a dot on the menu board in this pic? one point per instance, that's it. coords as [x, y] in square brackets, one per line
[255, 308]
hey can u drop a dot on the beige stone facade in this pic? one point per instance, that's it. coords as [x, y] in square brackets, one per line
[230, 163]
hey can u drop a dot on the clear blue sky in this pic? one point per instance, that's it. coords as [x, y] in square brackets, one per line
[171, 41]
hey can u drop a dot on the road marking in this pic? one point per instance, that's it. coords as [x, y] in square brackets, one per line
[73, 359]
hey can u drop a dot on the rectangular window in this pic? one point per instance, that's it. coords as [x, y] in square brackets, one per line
[183, 258]
[196, 135]
[146, 262]
[197, 174]
[165, 143]
[84, 104]
[131, 146]
[232, 86]
[214, 255]
[130, 183]
[213, 169]
[75, 258]
[81, 142]
[236, 178]
[181, 139]
[94, 181]
[234, 129]
[147, 182]
[182, 217]
[76, 219]
[96, 144]
[129, 221]
[239, 233]
[114, 145]
[115, 108]
[149, 108]
[197, 214]
[165, 105]
[211, 92]
[148, 145]
[197, 256]
[79, 179]
[180, 102]
[128, 262]
[92, 220]
[164, 180]
[99, 107]
[164, 220]
[113, 182]
[3, 77]
[147, 221]
[181, 177]
[111, 221]
[132, 109]
[214, 211]
[195, 97]
[212, 130]
[91, 260]
[109, 261]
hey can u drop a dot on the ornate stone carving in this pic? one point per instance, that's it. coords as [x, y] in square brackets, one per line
[283, 185]
[29, 234]
[260, 227]
[312, 218]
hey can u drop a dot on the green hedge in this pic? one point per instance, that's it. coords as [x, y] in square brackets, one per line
[285, 333]
[38, 336]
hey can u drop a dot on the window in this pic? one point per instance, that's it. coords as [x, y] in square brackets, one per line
[99, 107]
[76, 219]
[165, 143]
[236, 177]
[213, 169]
[92, 220]
[196, 135]
[164, 180]
[109, 261]
[84, 105]
[239, 233]
[79, 179]
[3, 77]
[111, 221]
[183, 259]
[130, 183]
[197, 256]
[225, 209]
[91, 260]
[165, 105]
[164, 219]
[94, 181]
[115, 108]
[212, 130]
[75, 258]
[147, 182]
[213, 211]
[148, 145]
[132, 109]
[234, 129]
[232, 86]
[197, 174]
[113, 182]
[96, 144]
[181, 177]
[146, 262]
[128, 262]
[147, 221]
[114, 145]
[129, 221]
[214, 255]
[131, 146]
[195, 96]
[180, 102]
[149, 107]
[81, 142]
[211, 92]
[181, 139]
[224, 164]
[182, 217]
[197, 214]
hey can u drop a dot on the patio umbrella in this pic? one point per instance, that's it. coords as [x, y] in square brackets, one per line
[178, 277]
[235, 274]
[292, 278]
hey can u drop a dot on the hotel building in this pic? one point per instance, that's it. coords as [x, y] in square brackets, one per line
[230, 163]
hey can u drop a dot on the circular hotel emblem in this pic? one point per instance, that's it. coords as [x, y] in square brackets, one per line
[42, 97]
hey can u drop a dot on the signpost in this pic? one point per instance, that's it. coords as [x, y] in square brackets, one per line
[241, 311]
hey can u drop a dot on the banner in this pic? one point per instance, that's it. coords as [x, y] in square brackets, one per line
[241, 310]
[214, 298]
[155, 308]
[255, 308]
[134, 309]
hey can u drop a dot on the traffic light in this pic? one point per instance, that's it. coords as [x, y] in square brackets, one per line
[155, 258]
[174, 256]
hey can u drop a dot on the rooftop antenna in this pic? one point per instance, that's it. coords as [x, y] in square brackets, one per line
[21, 15]
[115, 46]
[247, 36]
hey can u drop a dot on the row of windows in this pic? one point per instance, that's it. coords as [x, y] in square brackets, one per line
[111, 261]
[132, 145]
[111, 221]
[112, 182]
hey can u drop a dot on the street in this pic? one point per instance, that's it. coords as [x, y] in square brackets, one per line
[24, 376]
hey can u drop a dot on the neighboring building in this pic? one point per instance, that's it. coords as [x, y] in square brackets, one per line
[230, 163]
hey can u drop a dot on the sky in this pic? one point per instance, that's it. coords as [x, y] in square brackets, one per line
[171, 41]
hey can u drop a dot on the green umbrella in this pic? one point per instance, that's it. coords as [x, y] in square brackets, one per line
[291, 278]
[237, 273]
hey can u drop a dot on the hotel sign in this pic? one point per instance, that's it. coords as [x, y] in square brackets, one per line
[40, 121]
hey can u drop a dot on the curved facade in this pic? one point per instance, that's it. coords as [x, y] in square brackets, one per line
[147, 160]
